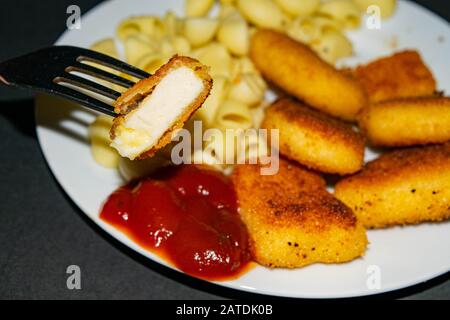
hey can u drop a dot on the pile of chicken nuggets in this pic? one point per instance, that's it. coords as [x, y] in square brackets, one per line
[326, 118]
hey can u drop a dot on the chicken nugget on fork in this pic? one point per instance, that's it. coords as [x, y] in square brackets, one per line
[151, 110]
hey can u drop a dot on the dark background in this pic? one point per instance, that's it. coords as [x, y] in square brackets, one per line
[42, 231]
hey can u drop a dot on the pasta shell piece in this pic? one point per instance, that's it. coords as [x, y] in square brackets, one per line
[233, 114]
[248, 89]
[106, 46]
[138, 45]
[166, 47]
[298, 8]
[149, 25]
[310, 29]
[207, 113]
[234, 34]
[181, 45]
[200, 31]
[263, 13]
[344, 11]
[197, 8]
[246, 65]
[227, 2]
[332, 46]
[101, 151]
[172, 25]
[217, 57]
[151, 62]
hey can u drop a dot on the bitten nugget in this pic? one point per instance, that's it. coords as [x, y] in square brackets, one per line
[407, 122]
[315, 139]
[154, 107]
[298, 70]
[401, 75]
[401, 187]
[292, 220]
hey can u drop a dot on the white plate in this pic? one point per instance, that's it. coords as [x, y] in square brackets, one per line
[404, 256]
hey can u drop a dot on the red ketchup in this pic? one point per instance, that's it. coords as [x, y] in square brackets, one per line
[187, 214]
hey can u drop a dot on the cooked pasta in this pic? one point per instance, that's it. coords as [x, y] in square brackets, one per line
[148, 25]
[197, 8]
[333, 45]
[138, 45]
[200, 31]
[344, 11]
[106, 46]
[172, 26]
[216, 56]
[102, 153]
[298, 8]
[207, 113]
[249, 88]
[309, 30]
[151, 62]
[263, 13]
[234, 34]
[233, 115]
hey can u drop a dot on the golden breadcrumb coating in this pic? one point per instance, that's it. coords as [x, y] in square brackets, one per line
[405, 186]
[292, 220]
[130, 99]
[315, 139]
[298, 70]
[407, 122]
[400, 75]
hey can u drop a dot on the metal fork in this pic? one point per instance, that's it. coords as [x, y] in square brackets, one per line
[48, 69]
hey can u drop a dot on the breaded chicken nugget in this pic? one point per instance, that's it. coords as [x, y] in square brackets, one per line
[298, 70]
[407, 122]
[292, 220]
[315, 139]
[400, 75]
[153, 108]
[401, 187]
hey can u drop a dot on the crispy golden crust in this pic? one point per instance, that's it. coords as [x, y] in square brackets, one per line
[299, 71]
[131, 98]
[400, 75]
[407, 122]
[315, 139]
[405, 186]
[292, 220]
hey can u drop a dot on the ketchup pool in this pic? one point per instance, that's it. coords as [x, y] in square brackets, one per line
[188, 215]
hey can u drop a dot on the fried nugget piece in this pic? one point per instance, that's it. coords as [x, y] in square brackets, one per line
[153, 108]
[315, 139]
[298, 70]
[407, 122]
[405, 186]
[400, 75]
[292, 220]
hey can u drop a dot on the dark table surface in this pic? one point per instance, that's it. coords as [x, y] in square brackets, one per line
[42, 232]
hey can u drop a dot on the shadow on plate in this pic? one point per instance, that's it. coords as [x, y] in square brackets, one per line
[64, 117]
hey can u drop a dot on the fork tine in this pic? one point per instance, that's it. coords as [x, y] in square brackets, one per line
[83, 99]
[88, 85]
[101, 74]
[108, 61]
